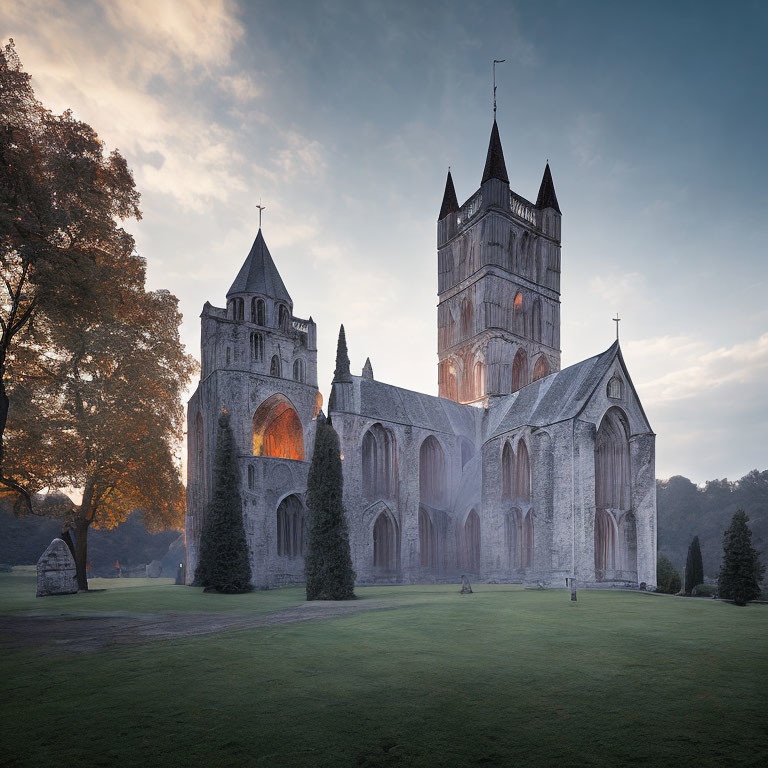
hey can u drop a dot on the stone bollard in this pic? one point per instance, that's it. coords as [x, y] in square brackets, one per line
[572, 583]
[56, 572]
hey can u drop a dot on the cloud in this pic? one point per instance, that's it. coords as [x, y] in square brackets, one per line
[617, 289]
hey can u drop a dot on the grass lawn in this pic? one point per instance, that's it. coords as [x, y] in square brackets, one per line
[505, 677]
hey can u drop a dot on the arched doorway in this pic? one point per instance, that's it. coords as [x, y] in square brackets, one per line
[471, 541]
[385, 540]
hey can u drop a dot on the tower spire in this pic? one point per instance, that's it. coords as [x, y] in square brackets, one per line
[450, 202]
[495, 167]
[547, 197]
[342, 359]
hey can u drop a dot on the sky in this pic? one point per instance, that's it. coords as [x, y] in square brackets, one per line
[342, 119]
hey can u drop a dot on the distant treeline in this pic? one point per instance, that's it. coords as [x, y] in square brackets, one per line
[687, 510]
[23, 540]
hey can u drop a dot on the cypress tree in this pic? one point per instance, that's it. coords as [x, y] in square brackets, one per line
[741, 571]
[223, 565]
[328, 564]
[667, 578]
[694, 568]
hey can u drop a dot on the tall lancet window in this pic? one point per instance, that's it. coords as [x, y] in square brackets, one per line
[507, 472]
[385, 543]
[283, 317]
[613, 497]
[523, 473]
[274, 366]
[290, 528]
[519, 370]
[258, 312]
[432, 479]
[379, 462]
[257, 347]
[471, 542]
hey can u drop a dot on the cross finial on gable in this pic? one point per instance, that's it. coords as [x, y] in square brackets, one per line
[617, 320]
[261, 208]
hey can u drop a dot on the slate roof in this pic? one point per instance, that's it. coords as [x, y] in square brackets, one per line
[557, 397]
[450, 202]
[495, 168]
[547, 197]
[259, 274]
[403, 406]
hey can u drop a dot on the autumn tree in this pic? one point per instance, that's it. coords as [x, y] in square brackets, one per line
[328, 564]
[224, 564]
[61, 199]
[741, 571]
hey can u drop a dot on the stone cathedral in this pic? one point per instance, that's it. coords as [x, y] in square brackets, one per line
[517, 472]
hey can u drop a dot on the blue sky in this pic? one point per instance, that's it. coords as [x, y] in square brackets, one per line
[343, 117]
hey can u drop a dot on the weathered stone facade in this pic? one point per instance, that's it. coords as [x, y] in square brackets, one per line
[518, 472]
[56, 572]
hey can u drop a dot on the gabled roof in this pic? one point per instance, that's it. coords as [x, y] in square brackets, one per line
[259, 274]
[495, 168]
[450, 203]
[557, 397]
[547, 197]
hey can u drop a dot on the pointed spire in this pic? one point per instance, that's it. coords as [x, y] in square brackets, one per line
[495, 167]
[342, 359]
[368, 369]
[450, 203]
[259, 274]
[547, 197]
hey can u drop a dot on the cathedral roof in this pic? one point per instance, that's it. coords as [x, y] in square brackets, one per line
[259, 274]
[547, 197]
[495, 168]
[450, 203]
[557, 397]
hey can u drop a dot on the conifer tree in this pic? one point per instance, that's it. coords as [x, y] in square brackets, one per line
[694, 567]
[741, 571]
[223, 563]
[328, 564]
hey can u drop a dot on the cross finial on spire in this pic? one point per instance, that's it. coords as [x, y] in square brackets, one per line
[495, 62]
[617, 320]
[261, 208]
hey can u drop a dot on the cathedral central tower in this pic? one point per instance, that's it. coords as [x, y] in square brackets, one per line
[498, 317]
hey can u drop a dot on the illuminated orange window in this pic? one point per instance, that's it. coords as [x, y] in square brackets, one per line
[518, 303]
[277, 430]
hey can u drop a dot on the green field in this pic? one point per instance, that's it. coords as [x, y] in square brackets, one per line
[506, 677]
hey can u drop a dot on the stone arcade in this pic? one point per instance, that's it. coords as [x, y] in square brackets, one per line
[517, 472]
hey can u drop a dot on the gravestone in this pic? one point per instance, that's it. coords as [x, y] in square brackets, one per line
[466, 587]
[56, 572]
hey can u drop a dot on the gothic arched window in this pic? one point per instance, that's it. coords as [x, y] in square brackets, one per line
[615, 388]
[471, 541]
[385, 543]
[428, 556]
[258, 312]
[536, 320]
[299, 373]
[283, 317]
[479, 379]
[257, 347]
[541, 369]
[526, 552]
[514, 537]
[432, 479]
[519, 370]
[277, 430]
[379, 462]
[290, 527]
[274, 366]
[522, 473]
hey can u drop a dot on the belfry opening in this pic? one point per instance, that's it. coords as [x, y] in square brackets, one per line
[277, 430]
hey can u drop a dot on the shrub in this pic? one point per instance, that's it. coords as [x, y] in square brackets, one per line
[705, 590]
[667, 578]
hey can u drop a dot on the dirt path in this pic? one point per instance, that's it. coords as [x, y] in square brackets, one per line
[72, 634]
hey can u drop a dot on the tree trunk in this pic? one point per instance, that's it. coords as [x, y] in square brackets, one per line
[81, 553]
[66, 537]
[4, 403]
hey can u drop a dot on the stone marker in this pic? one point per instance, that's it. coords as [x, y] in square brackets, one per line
[572, 582]
[466, 587]
[181, 574]
[56, 572]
